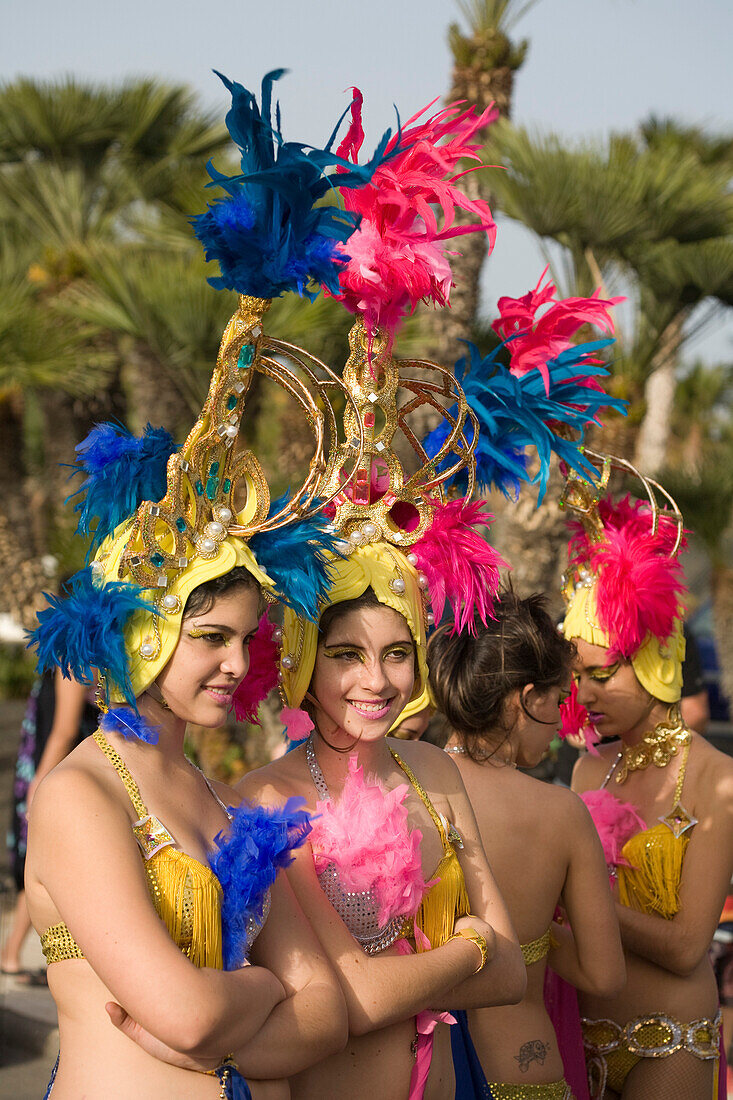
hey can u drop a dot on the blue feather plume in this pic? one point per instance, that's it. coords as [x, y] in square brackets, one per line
[122, 470]
[83, 631]
[295, 558]
[258, 844]
[129, 724]
[517, 412]
[267, 234]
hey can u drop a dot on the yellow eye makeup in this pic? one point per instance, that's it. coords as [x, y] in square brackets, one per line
[212, 636]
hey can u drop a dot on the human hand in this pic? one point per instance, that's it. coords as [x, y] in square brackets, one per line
[147, 1042]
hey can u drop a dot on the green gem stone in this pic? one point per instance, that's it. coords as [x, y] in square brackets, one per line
[157, 559]
[181, 524]
[226, 485]
[199, 489]
[232, 401]
[213, 469]
[211, 486]
[246, 356]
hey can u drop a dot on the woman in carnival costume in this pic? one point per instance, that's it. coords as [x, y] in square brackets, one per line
[499, 688]
[662, 798]
[395, 882]
[498, 683]
[140, 880]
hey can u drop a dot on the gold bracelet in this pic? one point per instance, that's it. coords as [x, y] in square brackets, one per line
[475, 937]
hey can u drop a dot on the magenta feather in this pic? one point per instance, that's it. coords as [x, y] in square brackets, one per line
[397, 256]
[615, 821]
[366, 836]
[535, 342]
[576, 723]
[639, 583]
[460, 565]
[298, 723]
[261, 677]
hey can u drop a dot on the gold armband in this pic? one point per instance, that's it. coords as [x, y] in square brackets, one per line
[474, 937]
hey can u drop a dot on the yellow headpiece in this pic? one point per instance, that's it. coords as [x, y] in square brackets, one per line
[624, 585]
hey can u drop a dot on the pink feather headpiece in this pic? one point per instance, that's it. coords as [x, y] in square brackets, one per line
[638, 578]
[397, 256]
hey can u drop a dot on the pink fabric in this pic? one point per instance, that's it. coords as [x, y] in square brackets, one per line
[425, 1024]
[561, 1002]
[298, 723]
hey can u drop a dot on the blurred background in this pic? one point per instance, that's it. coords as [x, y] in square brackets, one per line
[612, 162]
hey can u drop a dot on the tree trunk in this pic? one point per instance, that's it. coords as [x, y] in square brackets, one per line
[651, 443]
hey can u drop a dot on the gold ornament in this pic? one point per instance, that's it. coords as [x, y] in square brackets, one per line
[657, 747]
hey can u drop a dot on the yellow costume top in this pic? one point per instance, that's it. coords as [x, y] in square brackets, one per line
[650, 884]
[186, 893]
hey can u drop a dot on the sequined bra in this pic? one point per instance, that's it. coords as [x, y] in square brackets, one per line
[440, 908]
[651, 880]
[186, 894]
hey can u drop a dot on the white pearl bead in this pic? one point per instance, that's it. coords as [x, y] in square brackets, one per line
[232, 431]
[356, 538]
[397, 585]
[370, 530]
[422, 580]
[208, 546]
[224, 514]
[147, 649]
[431, 618]
[342, 546]
[216, 530]
[277, 634]
[412, 558]
[288, 662]
[170, 602]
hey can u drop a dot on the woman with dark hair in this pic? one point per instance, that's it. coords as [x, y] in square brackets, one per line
[499, 689]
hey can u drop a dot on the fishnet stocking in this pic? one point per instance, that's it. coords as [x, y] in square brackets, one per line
[680, 1075]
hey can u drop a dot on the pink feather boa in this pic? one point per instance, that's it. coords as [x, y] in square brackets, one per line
[261, 678]
[460, 566]
[397, 255]
[615, 822]
[365, 834]
[639, 586]
[536, 341]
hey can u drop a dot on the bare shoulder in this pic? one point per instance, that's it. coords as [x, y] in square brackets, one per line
[715, 771]
[277, 781]
[591, 767]
[431, 765]
[230, 796]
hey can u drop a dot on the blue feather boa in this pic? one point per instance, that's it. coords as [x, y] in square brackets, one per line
[257, 845]
[122, 471]
[84, 630]
[517, 412]
[267, 235]
[296, 558]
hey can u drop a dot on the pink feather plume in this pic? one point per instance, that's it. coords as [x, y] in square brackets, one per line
[261, 676]
[460, 565]
[639, 585]
[298, 723]
[576, 723]
[366, 836]
[397, 255]
[536, 341]
[615, 822]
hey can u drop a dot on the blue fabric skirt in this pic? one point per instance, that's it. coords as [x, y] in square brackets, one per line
[471, 1083]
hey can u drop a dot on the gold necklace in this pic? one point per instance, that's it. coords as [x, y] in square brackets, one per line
[657, 747]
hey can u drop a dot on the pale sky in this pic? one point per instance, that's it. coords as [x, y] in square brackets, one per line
[592, 67]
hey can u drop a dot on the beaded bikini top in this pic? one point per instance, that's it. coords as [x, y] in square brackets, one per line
[440, 907]
[185, 892]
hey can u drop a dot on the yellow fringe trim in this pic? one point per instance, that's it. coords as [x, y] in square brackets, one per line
[187, 898]
[651, 884]
[444, 903]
